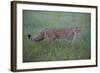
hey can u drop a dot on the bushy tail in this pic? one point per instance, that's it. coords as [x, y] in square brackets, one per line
[38, 38]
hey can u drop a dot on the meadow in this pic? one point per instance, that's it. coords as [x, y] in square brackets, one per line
[35, 21]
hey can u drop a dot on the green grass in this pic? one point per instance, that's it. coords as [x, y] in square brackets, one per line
[35, 21]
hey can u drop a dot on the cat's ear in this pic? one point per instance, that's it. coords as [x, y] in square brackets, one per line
[77, 27]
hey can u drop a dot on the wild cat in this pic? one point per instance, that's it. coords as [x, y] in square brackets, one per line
[51, 34]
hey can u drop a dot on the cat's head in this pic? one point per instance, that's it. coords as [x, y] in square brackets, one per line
[77, 29]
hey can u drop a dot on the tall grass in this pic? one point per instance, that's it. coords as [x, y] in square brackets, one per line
[35, 21]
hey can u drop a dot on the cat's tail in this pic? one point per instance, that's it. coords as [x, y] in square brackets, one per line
[38, 38]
